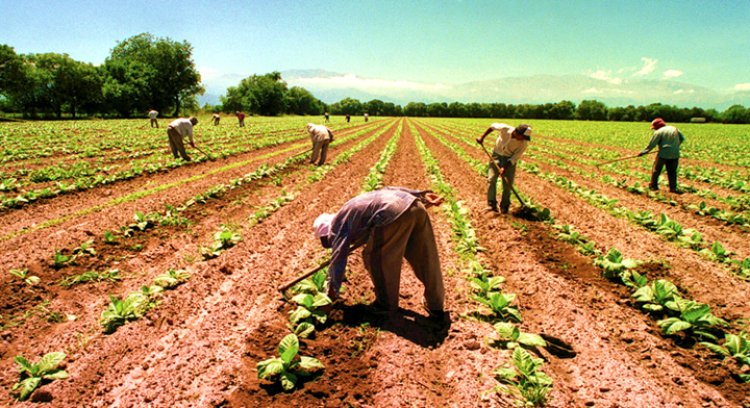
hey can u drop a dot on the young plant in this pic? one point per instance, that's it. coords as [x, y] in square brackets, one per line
[500, 305]
[526, 377]
[736, 346]
[510, 337]
[313, 285]
[109, 238]
[717, 252]
[171, 279]
[614, 265]
[694, 318]
[226, 238]
[567, 234]
[133, 307]
[302, 320]
[657, 295]
[23, 275]
[34, 374]
[483, 286]
[60, 260]
[288, 366]
[86, 248]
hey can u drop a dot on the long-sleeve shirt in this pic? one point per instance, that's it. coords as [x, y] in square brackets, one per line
[319, 133]
[669, 139]
[358, 217]
[184, 127]
[506, 145]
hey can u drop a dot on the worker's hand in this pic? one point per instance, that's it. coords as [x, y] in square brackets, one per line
[332, 294]
[192, 143]
[480, 141]
[433, 199]
[641, 153]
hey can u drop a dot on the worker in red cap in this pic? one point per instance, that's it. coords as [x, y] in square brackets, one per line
[669, 139]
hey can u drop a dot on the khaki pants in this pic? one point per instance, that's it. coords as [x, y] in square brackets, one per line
[410, 237]
[319, 148]
[175, 143]
[154, 123]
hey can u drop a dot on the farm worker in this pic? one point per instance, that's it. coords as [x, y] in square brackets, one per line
[510, 145]
[321, 136]
[216, 119]
[176, 131]
[669, 139]
[152, 114]
[240, 118]
[347, 118]
[394, 224]
[366, 116]
[327, 117]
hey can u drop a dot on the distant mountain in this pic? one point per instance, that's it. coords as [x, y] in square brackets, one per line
[332, 87]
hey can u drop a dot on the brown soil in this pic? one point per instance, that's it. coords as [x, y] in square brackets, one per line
[200, 346]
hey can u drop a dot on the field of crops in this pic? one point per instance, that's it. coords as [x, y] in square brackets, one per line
[148, 281]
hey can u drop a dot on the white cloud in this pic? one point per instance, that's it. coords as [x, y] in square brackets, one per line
[742, 87]
[649, 65]
[605, 75]
[367, 84]
[672, 73]
[607, 91]
[684, 91]
[208, 73]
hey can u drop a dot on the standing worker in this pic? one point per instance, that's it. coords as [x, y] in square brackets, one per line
[240, 118]
[217, 118]
[152, 114]
[348, 118]
[326, 116]
[394, 224]
[321, 137]
[510, 145]
[176, 131]
[669, 139]
[367, 117]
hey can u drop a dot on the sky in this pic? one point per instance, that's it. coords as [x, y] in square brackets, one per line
[411, 43]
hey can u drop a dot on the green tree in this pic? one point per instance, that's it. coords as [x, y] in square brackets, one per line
[153, 72]
[736, 114]
[591, 110]
[261, 94]
[375, 107]
[13, 72]
[347, 106]
[300, 101]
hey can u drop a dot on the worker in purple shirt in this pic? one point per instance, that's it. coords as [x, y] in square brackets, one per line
[393, 223]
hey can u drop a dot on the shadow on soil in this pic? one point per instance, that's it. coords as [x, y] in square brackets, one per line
[418, 329]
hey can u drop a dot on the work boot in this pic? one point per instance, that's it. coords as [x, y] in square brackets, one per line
[492, 207]
[652, 188]
[438, 316]
[678, 192]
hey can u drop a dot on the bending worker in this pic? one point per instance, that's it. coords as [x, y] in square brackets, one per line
[510, 145]
[669, 139]
[176, 131]
[321, 136]
[394, 224]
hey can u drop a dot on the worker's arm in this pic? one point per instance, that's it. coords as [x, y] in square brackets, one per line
[337, 268]
[190, 134]
[517, 155]
[654, 141]
[489, 130]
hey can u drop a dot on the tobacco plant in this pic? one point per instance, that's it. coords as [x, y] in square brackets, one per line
[34, 374]
[224, 239]
[695, 319]
[510, 337]
[614, 265]
[524, 374]
[133, 307]
[736, 346]
[500, 305]
[23, 276]
[286, 368]
[654, 297]
[302, 320]
[112, 275]
[171, 279]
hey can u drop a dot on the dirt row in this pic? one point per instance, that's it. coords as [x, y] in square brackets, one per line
[622, 360]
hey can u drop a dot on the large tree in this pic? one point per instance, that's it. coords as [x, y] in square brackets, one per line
[147, 72]
[261, 94]
[300, 101]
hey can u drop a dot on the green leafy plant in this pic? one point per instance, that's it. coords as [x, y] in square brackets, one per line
[588, 249]
[109, 237]
[60, 260]
[524, 374]
[302, 320]
[483, 286]
[223, 239]
[694, 318]
[654, 297]
[23, 276]
[289, 365]
[668, 228]
[510, 336]
[312, 285]
[34, 375]
[736, 346]
[717, 252]
[85, 249]
[614, 265]
[500, 305]
[569, 235]
[171, 279]
[133, 307]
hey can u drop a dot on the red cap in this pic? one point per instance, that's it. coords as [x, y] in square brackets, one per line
[658, 123]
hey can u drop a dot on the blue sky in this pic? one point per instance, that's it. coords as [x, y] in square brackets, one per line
[408, 43]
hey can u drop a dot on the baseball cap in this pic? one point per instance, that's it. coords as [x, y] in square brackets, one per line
[523, 129]
[658, 123]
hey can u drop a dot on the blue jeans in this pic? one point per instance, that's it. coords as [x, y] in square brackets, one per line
[492, 175]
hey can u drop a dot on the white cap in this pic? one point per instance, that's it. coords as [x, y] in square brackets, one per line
[322, 224]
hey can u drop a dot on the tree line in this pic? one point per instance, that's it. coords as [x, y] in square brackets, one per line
[144, 72]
